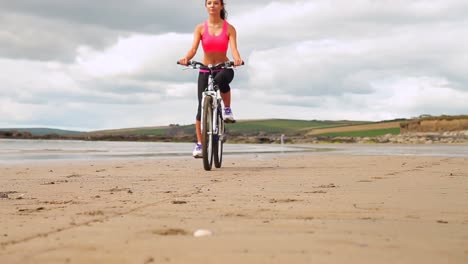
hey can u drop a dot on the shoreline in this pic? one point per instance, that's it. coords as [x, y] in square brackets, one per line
[299, 208]
[416, 138]
[20, 152]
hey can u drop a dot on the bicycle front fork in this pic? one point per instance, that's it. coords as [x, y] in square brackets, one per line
[217, 122]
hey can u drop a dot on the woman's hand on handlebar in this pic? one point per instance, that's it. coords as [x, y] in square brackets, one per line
[184, 61]
[238, 62]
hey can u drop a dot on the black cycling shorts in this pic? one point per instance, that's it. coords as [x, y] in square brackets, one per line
[222, 79]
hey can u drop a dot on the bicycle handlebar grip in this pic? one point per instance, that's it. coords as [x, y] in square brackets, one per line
[188, 63]
[231, 63]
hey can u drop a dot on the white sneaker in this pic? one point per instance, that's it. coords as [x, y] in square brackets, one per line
[197, 151]
[228, 116]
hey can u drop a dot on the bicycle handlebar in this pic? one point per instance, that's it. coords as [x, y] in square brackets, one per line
[196, 64]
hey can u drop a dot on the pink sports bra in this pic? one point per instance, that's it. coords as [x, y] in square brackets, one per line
[212, 43]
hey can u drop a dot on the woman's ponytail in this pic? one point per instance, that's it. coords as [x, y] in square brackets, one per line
[223, 11]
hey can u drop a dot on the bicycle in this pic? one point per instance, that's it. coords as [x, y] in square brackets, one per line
[212, 122]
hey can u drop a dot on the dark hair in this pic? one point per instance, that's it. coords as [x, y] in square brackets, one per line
[223, 11]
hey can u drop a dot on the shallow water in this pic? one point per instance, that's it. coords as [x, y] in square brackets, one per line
[18, 151]
[397, 150]
[42, 150]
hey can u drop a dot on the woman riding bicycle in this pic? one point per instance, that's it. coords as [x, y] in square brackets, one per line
[215, 34]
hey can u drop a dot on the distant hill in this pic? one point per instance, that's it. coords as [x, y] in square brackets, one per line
[151, 130]
[284, 126]
[43, 131]
[264, 130]
[241, 128]
[359, 130]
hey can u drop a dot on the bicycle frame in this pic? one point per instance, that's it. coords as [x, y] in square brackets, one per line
[217, 100]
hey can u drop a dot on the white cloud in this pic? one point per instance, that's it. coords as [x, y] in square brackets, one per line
[418, 95]
[133, 55]
[13, 112]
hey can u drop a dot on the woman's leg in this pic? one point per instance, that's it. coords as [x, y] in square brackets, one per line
[226, 98]
[198, 131]
[202, 84]
[223, 79]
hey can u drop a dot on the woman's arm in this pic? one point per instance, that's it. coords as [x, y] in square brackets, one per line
[193, 50]
[233, 43]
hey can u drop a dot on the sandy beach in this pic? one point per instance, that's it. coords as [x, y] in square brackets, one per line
[272, 208]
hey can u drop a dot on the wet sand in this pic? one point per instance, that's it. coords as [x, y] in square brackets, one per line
[294, 208]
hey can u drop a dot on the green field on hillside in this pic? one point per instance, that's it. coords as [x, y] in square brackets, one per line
[242, 128]
[284, 126]
[156, 132]
[253, 127]
[364, 133]
[170, 130]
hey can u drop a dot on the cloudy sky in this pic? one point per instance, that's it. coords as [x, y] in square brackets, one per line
[88, 65]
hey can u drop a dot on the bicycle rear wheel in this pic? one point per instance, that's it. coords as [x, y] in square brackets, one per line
[207, 133]
[218, 140]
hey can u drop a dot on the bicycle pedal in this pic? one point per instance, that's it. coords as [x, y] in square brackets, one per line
[229, 121]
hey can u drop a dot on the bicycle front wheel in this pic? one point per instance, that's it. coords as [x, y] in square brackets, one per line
[207, 133]
[218, 140]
